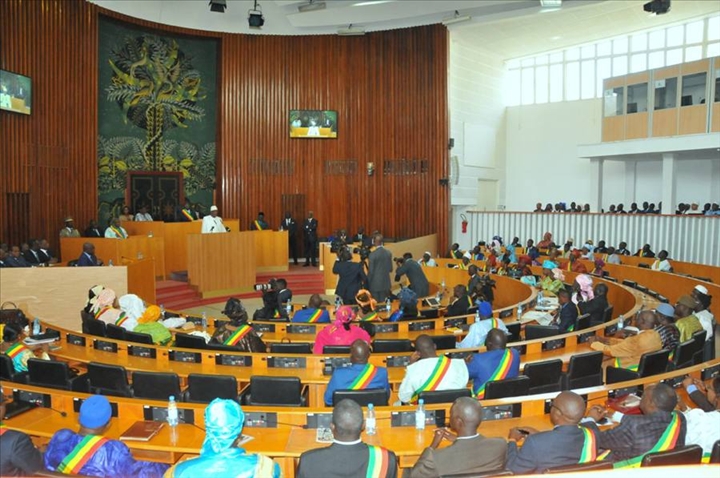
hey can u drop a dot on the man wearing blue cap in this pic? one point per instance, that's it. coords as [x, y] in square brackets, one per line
[88, 453]
[224, 421]
[479, 330]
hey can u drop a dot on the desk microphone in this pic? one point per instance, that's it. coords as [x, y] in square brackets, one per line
[62, 414]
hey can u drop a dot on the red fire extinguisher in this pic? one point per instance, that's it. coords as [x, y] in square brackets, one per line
[464, 223]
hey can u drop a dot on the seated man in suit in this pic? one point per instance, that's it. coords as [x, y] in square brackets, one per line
[469, 452]
[497, 363]
[361, 375]
[364, 239]
[348, 455]
[18, 455]
[627, 352]
[479, 330]
[460, 302]
[284, 294]
[659, 428]
[703, 423]
[259, 224]
[15, 258]
[567, 314]
[565, 444]
[427, 372]
[33, 255]
[595, 306]
[313, 313]
[88, 257]
[46, 254]
[93, 230]
[115, 230]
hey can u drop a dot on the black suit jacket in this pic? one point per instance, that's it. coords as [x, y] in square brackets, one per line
[459, 307]
[18, 455]
[93, 232]
[291, 228]
[595, 307]
[351, 279]
[12, 261]
[557, 447]
[365, 240]
[418, 282]
[284, 296]
[474, 280]
[310, 229]
[567, 316]
[340, 461]
[31, 258]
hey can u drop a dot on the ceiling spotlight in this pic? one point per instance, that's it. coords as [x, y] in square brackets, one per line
[255, 17]
[456, 19]
[657, 7]
[218, 6]
[311, 6]
[551, 3]
[350, 31]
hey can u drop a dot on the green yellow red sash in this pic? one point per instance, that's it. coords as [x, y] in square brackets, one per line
[187, 214]
[2, 430]
[462, 266]
[500, 372]
[438, 373]
[632, 368]
[81, 454]
[589, 449]
[494, 323]
[238, 335]
[102, 311]
[364, 378]
[258, 226]
[118, 232]
[122, 318]
[667, 441]
[378, 463]
[371, 316]
[15, 350]
[315, 316]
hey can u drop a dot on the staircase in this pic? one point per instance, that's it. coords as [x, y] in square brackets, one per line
[301, 281]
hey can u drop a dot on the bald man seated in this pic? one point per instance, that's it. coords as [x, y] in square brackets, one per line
[627, 352]
[469, 451]
[565, 444]
[360, 375]
[348, 455]
[497, 363]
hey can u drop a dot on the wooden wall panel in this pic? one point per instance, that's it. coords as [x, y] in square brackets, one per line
[389, 88]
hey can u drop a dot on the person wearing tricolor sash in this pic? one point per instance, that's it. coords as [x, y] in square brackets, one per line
[703, 423]
[348, 456]
[12, 346]
[88, 453]
[497, 363]
[259, 224]
[360, 375]
[566, 444]
[469, 452]
[340, 332]
[659, 428]
[627, 352]
[427, 372]
[478, 331]
[115, 230]
[237, 332]
[367, 305]
[18, 455]
[313, 313]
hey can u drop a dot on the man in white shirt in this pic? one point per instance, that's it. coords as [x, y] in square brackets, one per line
[428, 372]
[662, 263]
[143, 215]
[115, 230]
[706, 318]
[427, 260]
[213, 223]
[703, 423]
[478, 331]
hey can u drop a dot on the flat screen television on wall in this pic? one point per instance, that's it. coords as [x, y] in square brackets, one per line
[313, 124]
[15, 92]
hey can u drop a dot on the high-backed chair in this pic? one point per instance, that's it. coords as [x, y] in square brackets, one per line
[138, 337]
[95, 327]
[652, 363]
[699, 338]
[510, 387]
[7, 371]
[584, 370]
[376, 396]
[187, 341]
[393, 345]
[291, 348]
[113, 331]
[513, 331]
[489, 474]
[544, 376]
[336, 349]
[275, 392]
[715, 453]
[682, 455]
[108, 379]
[444, 342]
[579, 468]
[444, 396]
[204, 388]
[684, 353]
[55, 374]
[607, 314]
[156, 385]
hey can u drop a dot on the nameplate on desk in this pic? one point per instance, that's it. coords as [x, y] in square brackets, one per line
[73, 339]
[331, 363]
[318, 420]
[425, 325]
[35, 398]
[194, 320]
[105, 346]
[159, 414]
[500, 412]
[188, 357]
[233, 360]
[286, 362]
[263, 327]
[621, 392]
[261, 420]
[521, 349]
[433, 418]
[611, 329]
[642, 288]
[553, 344]
[455, 322]
[505, 313]
[301, 329]
[140, 351]
[77, 402]
[385, 328]
[582, 338]
[710, 372]
[397, 361]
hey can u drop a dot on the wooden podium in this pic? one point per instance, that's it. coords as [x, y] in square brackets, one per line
[120, 251]
[271, 251]
[221, 264]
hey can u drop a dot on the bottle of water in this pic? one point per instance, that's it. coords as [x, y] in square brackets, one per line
[36, 326]
[338, 302]
[162, 311]
[204, 321]
[288, 308]
[370, 420]
[110, 264]
[172, 412]
[540, 297]
[621, 322]
[388, 307]
[420, 415]
[519, 311]
[477, 315]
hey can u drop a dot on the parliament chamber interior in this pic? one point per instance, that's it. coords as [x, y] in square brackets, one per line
[359, 239]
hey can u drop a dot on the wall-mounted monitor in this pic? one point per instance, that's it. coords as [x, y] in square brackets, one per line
[15, 92]
[313, 124]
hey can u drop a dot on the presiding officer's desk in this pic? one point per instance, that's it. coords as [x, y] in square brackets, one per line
[287, 432]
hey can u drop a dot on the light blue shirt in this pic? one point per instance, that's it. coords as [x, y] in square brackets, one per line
[478, 332]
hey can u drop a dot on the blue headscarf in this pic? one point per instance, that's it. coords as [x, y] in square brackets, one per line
[224, 421]
[547, 264]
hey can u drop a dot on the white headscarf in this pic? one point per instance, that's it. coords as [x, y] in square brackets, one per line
[132, 305]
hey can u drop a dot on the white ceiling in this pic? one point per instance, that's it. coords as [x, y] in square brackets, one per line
[509, 28]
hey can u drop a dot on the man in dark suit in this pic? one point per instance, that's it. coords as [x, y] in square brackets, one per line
[32, 255]
[362, 238]
[88, 258]
[470, 452]
[379, 268]
[93, 230]
[413, 271]
[284, 294]
[18, 455]
[310, 231]
[563, 445]
[459, 303]
[15, 258]
[288, 224]
[568, 312]
[474, 278]
[351, 276]
[595, 306]
[348, 455]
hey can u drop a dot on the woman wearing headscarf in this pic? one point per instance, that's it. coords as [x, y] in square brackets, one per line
[583, 289]
[367, 306]
[237, 332]
[92, 297]
[104, 308]
[219, 455]
[553, 278]
[148, 324]
[12, 345]
[134, 308]
[598, 270]
[546, 241]
[341, 332]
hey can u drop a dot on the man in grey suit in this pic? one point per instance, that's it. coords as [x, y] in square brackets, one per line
[474, 279]
[470, 452]
[379, 268]
[414, 272]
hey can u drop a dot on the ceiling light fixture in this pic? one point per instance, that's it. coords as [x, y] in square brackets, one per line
[551, 3]
[457, 18]
[311, 6]
[218, 6]
[255, 17]
[375, 2]
[350, 31]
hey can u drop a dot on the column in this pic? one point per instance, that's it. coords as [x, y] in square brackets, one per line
[715, 180]
[630, 175]
[668, 184]
[596, 187]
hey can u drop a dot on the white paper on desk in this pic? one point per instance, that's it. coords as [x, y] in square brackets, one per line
[542, 318]
[29, 341]
[242, 439]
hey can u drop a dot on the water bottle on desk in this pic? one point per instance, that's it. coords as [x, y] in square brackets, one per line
[162, 311]
[204, 321]
[420, 415]
[36, 326]
[540, 298]
[621, 322]
[520, 311]
[477, 315]
[388, 307]
[172, 417]
[288, 308]
[338, 302]
[370, 420]
[110, 264]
